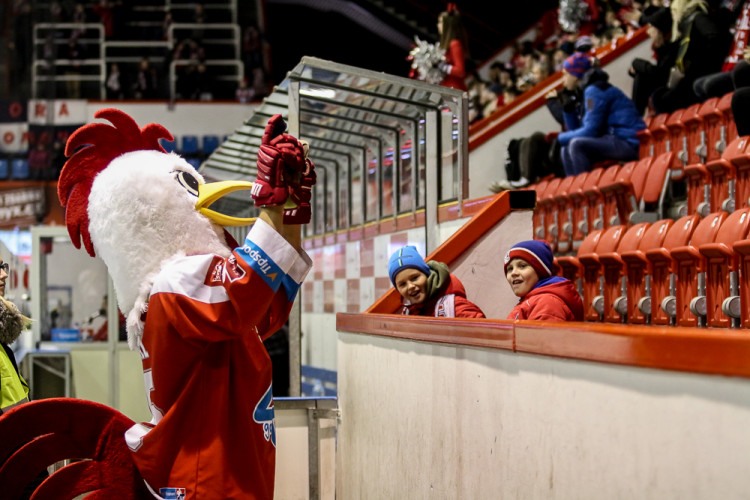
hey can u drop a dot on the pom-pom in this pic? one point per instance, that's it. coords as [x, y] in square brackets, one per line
[426, 59]
[572, 13]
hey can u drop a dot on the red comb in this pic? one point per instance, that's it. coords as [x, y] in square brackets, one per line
[91, 148]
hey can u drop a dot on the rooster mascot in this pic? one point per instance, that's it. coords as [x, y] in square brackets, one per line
[198, 305]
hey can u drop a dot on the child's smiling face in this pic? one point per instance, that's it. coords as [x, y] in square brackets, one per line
[521, 276]
[412, 285]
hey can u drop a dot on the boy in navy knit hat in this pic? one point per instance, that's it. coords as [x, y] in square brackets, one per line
[530, 271]
[428, 288]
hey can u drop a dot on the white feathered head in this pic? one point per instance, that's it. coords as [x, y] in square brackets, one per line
[137, 206]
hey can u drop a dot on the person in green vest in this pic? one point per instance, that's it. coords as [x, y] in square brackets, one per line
[13, 388]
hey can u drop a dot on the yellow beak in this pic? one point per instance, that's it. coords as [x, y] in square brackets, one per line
[209, 193]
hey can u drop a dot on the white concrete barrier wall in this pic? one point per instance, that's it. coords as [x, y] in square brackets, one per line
[422, 420]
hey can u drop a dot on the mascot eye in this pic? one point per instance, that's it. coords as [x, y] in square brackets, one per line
[187, 181]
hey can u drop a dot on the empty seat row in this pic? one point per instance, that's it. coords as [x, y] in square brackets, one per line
[696, 134]
[192, 144]
[568, 209]
[689, 272]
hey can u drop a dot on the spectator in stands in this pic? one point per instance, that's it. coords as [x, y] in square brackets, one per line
[146, 82]
[103, 9]
[75, 54]
[530, 271]
[703, 40]
[40, 160]
[254, 50]
[648, 77]
[14, 390]
[115, 88]
[244, 93]
[455, 42]
[428, 288]
[610, 121]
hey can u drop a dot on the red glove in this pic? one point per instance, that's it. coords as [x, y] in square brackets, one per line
[281, 159]
[301, 195]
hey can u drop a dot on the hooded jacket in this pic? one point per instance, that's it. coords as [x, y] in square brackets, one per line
[558, 301]
[13, 388]
[608, 111]
[446, 297]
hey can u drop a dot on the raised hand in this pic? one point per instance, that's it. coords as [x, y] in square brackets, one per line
[281, 160]
[301, 193]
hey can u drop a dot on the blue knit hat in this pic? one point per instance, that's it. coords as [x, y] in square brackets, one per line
[537, 253]
[577, 64]
[406, 258]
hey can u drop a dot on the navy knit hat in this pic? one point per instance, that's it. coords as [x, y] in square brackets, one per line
[537, 253]
[577, 64]
[406, 258]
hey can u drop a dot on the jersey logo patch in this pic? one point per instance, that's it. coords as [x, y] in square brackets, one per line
[222, 270]
[173, 493]
[264, 415]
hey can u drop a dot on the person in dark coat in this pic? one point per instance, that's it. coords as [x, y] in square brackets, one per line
[702, 41]
[609, 125]
[647, 77]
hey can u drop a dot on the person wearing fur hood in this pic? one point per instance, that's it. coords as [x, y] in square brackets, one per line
[530, 271]
[13, 388]
[429, 288]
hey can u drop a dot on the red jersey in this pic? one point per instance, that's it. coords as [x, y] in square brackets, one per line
[207, 374]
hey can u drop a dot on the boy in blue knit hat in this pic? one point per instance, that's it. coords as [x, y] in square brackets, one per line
[530, 270]
[428, 288]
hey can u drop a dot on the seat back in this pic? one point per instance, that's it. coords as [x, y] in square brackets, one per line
[189, 145]
[592, 269]
[678, 235]
[676, 131]
[655, 178]
[711, 117]
[693, 133]
[689, 264]
[638, 268]
[210, 143]
[727, 118]
[659, 133]
[614, 269]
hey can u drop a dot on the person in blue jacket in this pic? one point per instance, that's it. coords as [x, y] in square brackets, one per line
[609, 122]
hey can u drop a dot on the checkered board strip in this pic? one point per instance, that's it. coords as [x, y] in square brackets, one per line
[351, 276]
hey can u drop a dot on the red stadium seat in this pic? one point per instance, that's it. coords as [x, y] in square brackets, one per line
[608, 213]
[571, 268]
[582, 227]
[659, 135]
[547, 206]
[722, 268]
[711, 117]
[638, 271]
[538, 222]
[676, 135]
[567, 219]
[730, 176]
[742, 253]
[662, 268]
[644, 137]
[614, 272]
[693, 122]
[595, 199]
[593, 293]
[728, 131]
[554, 225]
[689, 269]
